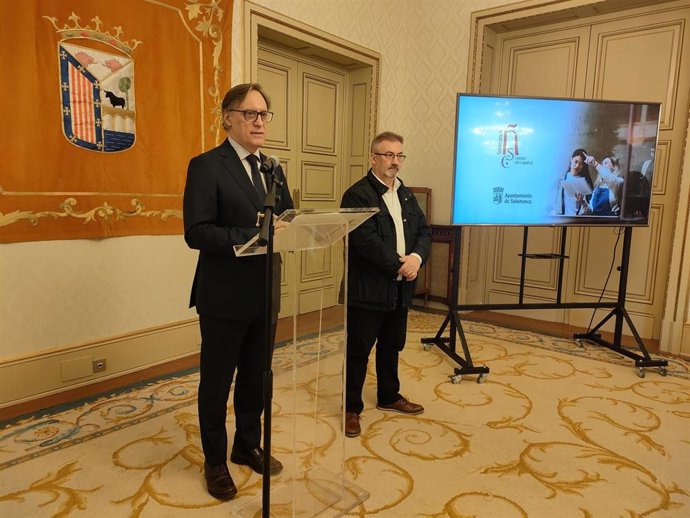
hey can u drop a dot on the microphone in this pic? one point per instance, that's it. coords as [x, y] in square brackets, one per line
[268, 165]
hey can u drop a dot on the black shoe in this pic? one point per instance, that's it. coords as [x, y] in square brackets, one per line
[219, 482]
[255, 460]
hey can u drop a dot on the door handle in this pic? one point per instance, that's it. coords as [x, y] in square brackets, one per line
[296, 194]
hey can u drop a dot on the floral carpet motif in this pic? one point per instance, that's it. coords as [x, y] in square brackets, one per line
[555, 430]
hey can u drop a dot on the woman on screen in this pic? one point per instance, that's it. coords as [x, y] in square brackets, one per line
[575, 187]
[608, 187]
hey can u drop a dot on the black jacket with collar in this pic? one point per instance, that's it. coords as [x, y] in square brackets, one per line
[373, 258]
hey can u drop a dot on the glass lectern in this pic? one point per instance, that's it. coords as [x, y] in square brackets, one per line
[307, 419]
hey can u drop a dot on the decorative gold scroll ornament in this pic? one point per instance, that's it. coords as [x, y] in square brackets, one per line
[104, 211]
[207, 13]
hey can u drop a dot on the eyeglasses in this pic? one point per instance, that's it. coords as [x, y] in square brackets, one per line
[252, 115]
[391, 156]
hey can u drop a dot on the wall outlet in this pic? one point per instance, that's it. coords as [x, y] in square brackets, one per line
[99, 365]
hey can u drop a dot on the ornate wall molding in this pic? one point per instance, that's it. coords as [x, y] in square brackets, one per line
[105, 211]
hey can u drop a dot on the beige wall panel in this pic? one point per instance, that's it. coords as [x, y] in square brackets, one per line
[646, 58]
[524, 62]
[620, 52]
[475, 260]
[552, 315]
[488, 68]
[360, 130]
[359, 145]
[440, 273]
[319, 182]
[527, 59]
[661, 159]
[290, 173]
[276, 79]
[685, 341]
[538, 273]
[595, 255]
[320, 100]
[356, 172]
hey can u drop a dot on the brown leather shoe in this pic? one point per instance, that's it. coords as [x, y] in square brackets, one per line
[254, 458]
[352, 428]
[403, 406]
[219, 482]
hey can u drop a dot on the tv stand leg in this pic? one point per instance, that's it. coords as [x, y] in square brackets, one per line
[642, 360]
[447, 345]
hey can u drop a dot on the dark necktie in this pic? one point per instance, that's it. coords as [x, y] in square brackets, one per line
[256, 177]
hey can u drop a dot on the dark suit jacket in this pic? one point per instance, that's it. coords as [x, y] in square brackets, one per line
[373, 256]
[220, 211]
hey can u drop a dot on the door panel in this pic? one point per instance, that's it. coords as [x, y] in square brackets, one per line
[322, 94]
[548, 64]
[306, 134]
[276, 77]
[640, 59]
[524, 62]
[358, 108]
[629, 63]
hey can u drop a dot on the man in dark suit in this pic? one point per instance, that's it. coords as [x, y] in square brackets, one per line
[223, 196]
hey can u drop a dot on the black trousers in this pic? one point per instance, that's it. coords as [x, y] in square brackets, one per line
[364, 328]
[227, 346]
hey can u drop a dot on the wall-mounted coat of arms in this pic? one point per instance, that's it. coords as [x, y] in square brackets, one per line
[96, 86]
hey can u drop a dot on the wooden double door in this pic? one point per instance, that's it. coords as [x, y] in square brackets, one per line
[318, 133]
[641, 54]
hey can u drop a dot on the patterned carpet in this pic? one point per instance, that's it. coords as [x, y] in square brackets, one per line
[555, 430]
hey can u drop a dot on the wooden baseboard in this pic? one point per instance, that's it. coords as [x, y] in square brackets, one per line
[102, 387]
[45, 397]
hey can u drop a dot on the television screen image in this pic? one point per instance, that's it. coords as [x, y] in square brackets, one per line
[548, 161]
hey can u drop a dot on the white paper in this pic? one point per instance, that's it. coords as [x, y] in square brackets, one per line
[576, 185]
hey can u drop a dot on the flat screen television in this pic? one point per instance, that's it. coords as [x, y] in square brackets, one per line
[550, 161]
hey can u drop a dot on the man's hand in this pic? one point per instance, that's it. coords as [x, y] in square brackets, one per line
[410, 267]
[278, 225]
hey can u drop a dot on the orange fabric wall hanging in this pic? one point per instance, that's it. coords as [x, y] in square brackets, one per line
[103, 104]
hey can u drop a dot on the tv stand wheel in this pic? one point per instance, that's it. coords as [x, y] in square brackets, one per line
[579, 343]
[663, 370]
[456, 378]
[427, 347]
[640, 372]
[481, 378]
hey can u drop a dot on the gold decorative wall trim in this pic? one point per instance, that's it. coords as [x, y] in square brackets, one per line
[105, 211]
[205, 14]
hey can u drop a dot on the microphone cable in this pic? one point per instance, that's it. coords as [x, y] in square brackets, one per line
[618, 233]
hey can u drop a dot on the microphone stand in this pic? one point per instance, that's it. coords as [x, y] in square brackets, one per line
[266, 238]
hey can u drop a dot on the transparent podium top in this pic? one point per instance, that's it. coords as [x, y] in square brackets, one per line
[309, 229]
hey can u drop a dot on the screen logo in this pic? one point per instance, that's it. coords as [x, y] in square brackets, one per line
[508, 147]
[498, 195]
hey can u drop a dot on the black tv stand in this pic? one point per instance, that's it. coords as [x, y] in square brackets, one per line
[447, 344]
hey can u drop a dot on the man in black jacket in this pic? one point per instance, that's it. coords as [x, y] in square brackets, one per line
[385, 254]
[223, 195]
